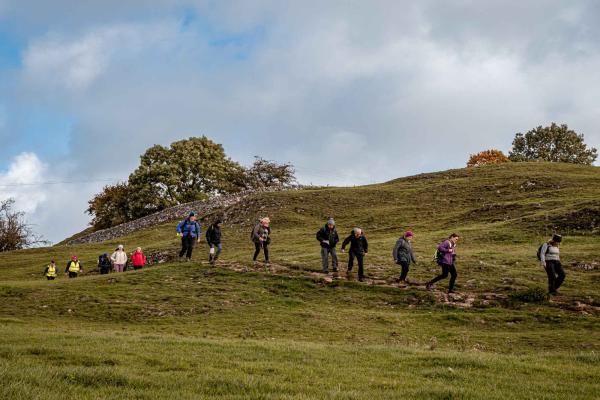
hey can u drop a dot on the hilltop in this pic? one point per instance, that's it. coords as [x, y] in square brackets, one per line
[236, 331]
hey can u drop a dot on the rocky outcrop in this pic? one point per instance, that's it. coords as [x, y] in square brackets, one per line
[170, 214]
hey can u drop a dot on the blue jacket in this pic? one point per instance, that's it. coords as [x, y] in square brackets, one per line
[189, 228]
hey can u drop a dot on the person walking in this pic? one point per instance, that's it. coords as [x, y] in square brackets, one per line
[189, 231]
[51, 271]
[446, 258]
[104, 264]
[549, 256]
[74, 267]
[359, 247]
[261, 236]
[328, 238]
[213, 238]
[403, 255]
[119, 259]
[138, 259]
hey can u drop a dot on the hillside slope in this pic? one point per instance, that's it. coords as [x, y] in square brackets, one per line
[239, 331]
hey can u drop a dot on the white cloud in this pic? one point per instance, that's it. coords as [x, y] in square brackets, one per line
[21, 182]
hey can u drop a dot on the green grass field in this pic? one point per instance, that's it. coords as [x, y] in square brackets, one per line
[235, 331]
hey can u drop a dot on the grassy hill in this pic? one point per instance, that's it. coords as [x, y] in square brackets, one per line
[238, 331]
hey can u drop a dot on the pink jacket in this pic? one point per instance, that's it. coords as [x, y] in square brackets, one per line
[138, 259]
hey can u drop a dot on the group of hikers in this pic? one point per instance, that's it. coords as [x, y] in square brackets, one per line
[328, 238]
[117, 262]
[190, 232]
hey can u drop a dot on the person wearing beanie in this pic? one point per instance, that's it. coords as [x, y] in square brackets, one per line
[403, 255]
[189, 231]
[213, 238]
[119, 259]
[549, 255]
[359, 247]
[328, 238]
[74, 267]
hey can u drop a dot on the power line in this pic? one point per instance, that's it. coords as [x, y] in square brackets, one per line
[58, 182]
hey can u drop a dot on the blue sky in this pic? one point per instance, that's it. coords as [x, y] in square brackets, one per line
[350, 92]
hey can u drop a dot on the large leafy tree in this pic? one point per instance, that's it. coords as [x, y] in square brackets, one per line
[555, 143]
[187, 170]
[111, 206]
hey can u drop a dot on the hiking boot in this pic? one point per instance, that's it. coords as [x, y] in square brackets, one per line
[187, 259]
[325, 272]
[451, 291]
[429, 286]
[361, 278]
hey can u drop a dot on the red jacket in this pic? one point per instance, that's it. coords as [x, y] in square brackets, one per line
[138, 259]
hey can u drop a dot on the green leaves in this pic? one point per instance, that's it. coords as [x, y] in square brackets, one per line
[554, 143]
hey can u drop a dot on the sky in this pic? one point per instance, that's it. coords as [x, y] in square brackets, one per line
[350, 92]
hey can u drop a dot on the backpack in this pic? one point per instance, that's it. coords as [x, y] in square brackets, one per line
[539, 251]
[438, 256]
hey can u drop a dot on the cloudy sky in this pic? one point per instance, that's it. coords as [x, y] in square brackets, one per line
[350, 92]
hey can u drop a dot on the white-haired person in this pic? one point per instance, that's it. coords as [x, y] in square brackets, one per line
[261, 236]
[358, 248]
[119, 259]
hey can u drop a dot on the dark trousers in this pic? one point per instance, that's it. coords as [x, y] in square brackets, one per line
[218, 247]
[556, 275]
[187, 246]
[104, 271]
[445, 270]
[405, 269]
[50, 278]
[72, 274]
[325, 252]
[136, 267]
[360, 259]
[264, 246]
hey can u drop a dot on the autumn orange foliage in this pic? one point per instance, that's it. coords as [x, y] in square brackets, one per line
[485, 157]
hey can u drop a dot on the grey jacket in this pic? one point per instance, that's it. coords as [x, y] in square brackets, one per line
[403, 251]
[549, 253]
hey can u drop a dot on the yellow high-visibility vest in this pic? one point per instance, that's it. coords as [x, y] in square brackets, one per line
[51, 271]
[74, 267]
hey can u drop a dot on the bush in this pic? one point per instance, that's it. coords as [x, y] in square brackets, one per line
[487, 157]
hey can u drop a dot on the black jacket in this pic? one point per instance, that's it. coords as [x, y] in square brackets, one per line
[328, 234]
[104, 263]
[358, 245]
[213, 235]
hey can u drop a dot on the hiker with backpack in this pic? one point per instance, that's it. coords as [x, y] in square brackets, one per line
[104, 264]
[445, 257]
[119, 259]
[213, 238]
[328, 238]
[138, 259]
[359, 247]
[549, 257]
[51, 271]
[189, 231]
[261, 237]
[403, 255]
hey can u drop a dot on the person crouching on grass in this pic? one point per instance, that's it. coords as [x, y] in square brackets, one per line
[359, 247]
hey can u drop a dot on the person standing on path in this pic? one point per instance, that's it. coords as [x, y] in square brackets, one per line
[119, 259]
[359, 247]
[104, 264]
[189, 231]
[51, 271]
[74, 267]
[403, 255]
[446, 258]
[138, 259]
[213, 238]
[328, 238]
[549, 256]
[261, 236]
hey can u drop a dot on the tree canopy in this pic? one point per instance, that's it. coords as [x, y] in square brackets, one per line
[554, 143]
[485, 157]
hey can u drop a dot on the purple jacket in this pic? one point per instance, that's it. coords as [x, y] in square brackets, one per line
[448, 249]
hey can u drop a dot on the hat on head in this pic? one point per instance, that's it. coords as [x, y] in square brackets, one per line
[120, 247]
[192, 214]
[408, 234]
[556, 238]
[330, 221]
[73, 258]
